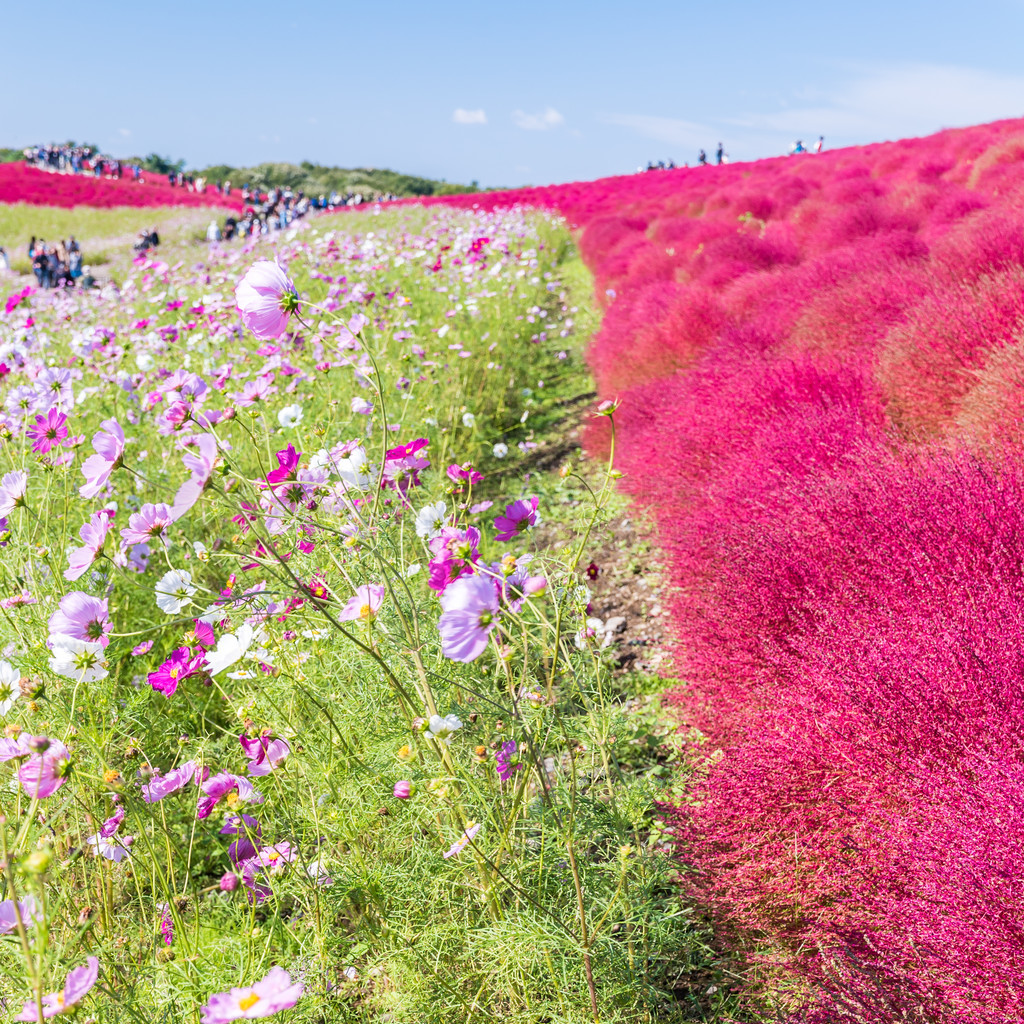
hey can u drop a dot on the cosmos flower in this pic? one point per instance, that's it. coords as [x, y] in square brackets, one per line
[365, 604]
[174, 591]
[9, 690]
[462, 842]
[48, 431]
[12, 491]
[266, 299]
[109, 444]
[518, 518]
[272, 994]
[47, 768]
[81, 617]
[77, 986]
[469, 613]
[93, 534]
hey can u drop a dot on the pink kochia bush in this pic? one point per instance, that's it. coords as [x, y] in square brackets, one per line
[819, 366]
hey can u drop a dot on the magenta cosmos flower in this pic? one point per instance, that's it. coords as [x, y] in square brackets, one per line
[271, 995]
[518, 518]
[469, 613]
[365, 604]
[49, 431]
[266, 298]
[109, 445]
[77, 986]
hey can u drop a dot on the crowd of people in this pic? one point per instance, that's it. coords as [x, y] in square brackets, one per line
[58, 265]
[68, 159]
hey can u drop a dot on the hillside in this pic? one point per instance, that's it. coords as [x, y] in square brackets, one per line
[315, 179]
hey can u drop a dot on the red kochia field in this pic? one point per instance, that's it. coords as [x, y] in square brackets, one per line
[820, 362]
[20, 183]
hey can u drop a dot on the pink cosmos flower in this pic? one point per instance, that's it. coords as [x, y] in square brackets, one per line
[265, 754]
[93, 535]
[12, 491]
[201, 465]
[518, 518]
[47, 769]
[48, 431]
[462, 842]
[365, 604]
[150, 523]
[28, 908]
[469, 613]
[218, 786]
[177, 778]
[464, 472]
[403, 789]
[77, 986]
[270, 995]
[82, 617]
[266, 299]
[109, 445]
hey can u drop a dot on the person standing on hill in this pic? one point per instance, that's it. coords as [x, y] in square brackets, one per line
[719, 153]
[819, 144]
[702, 158]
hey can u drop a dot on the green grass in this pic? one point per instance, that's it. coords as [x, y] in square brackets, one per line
[103, 234]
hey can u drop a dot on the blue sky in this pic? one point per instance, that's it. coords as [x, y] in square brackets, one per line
[504, 94]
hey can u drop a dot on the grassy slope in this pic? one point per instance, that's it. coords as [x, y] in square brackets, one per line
[102, 233]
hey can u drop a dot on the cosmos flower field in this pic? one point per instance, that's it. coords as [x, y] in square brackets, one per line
[298, 719]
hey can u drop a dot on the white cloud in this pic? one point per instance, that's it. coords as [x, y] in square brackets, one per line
[124, 131]
[670, 130]
[462, 116]
[550, 118]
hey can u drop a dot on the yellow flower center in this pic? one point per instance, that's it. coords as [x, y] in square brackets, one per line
[365, 611]
[231, 799]
[250, 1000]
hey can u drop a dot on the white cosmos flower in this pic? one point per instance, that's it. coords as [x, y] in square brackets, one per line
[231, 647]
[412, 570]
[468, 420]
[500, 450]
[442, 728]
[174, 590]
[351, 470]
[430, 519]
[9, 692]
[290, 416]
[77, 659]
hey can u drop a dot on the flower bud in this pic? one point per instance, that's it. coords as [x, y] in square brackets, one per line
[229, 882]
[403, 789]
